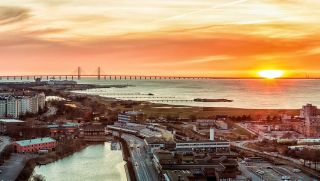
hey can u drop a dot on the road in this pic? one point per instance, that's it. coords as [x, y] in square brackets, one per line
[4, 141]
[12, 167]
[143, 165]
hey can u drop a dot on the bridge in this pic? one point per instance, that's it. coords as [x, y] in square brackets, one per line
[99, 75]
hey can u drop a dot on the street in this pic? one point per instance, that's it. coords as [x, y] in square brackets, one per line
[4, 141]
[12, 167]
[142, 164]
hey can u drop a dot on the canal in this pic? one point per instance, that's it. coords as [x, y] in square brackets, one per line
[96, 162]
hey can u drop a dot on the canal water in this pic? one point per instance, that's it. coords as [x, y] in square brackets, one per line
[96, 162]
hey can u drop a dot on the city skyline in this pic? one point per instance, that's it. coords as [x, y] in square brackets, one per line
[229, 38]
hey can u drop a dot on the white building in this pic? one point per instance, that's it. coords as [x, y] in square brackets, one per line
[3, 108]
[24, 105]
[131, 116]
[14, 106]
[203, 145]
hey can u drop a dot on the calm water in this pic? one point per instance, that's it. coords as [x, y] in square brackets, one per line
[95, 162]
[245, 93]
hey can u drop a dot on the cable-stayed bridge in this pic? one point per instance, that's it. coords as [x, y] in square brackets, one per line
[78, 73]
[99, 75]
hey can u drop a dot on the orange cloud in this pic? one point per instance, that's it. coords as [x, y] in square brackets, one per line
[220, 38]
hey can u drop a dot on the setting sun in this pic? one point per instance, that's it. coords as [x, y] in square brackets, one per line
[271, 74]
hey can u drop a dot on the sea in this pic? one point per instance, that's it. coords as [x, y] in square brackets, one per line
[245, 93]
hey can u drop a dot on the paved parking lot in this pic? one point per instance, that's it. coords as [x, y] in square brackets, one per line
[269, 172]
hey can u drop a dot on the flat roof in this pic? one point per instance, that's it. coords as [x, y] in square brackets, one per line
[11, 121]
[178, 174]
[35, 141]
[133, 113]
[65, 125]
[204, 141]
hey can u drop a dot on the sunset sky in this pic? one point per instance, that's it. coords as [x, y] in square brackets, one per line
[222, 38]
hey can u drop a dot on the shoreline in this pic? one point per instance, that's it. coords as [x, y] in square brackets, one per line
[28, 170]
[160, 108]
[29, 167]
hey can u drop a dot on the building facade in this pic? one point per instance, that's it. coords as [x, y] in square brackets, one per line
[311, 120]
[94, 132]
[11, 126]
[13, 106]
[131, 116]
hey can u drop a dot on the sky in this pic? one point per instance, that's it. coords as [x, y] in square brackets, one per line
[219, 38]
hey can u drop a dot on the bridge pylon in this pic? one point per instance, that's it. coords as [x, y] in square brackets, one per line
[79, 73]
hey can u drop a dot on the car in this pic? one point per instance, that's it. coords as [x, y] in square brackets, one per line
[136, 164]
[0, 171]
[296, 171]
[285, 178]
[260, 172]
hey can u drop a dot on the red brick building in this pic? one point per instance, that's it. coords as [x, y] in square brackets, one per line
[34, 145]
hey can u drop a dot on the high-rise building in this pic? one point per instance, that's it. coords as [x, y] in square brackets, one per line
[312, 120]
[3, 107]
[41, 100]
[34, 104]
[13, 106]
[24, 107]
[308, 110]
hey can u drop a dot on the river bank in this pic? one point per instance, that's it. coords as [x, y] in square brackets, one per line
[95, 162]
[63, 150]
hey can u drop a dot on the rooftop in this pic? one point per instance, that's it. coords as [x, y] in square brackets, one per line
[133, 113]
[203, 141]
[65, 125]
[178, 174]
[11, 121]
[35, 141]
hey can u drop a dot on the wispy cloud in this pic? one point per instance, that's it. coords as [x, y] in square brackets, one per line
[12, 14]
[175, 35]
[191, 61]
